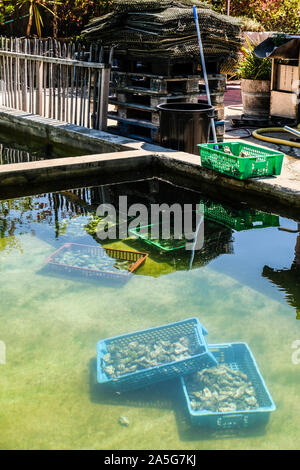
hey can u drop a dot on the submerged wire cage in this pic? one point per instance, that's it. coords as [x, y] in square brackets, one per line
[172, 332]
[95, 262]
[238, 357]
[257, 162]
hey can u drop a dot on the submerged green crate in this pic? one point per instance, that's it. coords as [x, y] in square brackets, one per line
[238, 219]
[261, 162]
[168, 244]
[237, 356]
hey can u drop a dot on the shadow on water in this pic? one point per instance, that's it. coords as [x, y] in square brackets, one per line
[189, 432]
[160, 395]
[79, 277]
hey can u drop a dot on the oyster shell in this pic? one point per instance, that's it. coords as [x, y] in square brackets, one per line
[122, 358]
[124, 421]
[221, 389]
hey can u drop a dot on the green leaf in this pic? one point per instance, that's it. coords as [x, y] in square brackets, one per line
[249, 43]
[38, 20]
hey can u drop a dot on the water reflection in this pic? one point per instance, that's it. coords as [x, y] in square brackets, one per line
[65, 217]
[238, 217]
[14, 149]
[19, 216]
[288, 280]
[10, 154]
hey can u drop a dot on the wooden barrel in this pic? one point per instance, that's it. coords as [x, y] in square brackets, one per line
[256, 97]
[217, 85]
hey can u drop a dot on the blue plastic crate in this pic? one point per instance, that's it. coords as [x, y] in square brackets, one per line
[147, 376]
[236, 356]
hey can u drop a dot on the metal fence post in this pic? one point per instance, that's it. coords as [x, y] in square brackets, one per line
[39, 88]
[24, 80]
[104, 92]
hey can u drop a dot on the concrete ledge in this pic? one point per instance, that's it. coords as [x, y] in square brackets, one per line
[71, 134]
[284, 189]
[46, 170]
[129, 156]
[89, 140]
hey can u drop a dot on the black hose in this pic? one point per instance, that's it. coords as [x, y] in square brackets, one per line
[240, 137]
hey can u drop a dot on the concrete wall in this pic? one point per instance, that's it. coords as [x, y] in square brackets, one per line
[84, 139]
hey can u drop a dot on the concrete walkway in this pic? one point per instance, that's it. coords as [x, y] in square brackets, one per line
[290, 175]
[234, 109]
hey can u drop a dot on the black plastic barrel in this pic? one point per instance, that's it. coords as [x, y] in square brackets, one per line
[184, 125]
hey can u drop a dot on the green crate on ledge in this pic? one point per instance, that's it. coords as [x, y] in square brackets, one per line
[259, 162]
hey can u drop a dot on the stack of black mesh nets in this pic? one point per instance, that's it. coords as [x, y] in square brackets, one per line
[165, 28]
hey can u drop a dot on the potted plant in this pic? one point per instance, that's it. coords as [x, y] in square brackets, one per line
[255, 74]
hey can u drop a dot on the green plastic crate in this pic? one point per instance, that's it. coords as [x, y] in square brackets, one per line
[239, 219]
[165, 245]
[260, 163]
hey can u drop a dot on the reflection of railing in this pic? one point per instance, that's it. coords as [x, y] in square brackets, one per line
[61, 211]
[43, 77]
[11, 155]
[73, 202]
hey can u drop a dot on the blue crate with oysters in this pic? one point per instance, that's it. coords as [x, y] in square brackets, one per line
[141, 358]
[231, 395]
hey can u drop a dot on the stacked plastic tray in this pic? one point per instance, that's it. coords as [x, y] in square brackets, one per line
[236, 356]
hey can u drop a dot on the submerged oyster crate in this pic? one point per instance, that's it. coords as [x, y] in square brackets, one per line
[238, 357]
[106, 269]
[191, 328]
[260, 162]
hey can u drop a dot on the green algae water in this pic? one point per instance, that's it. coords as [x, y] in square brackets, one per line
[244, 287]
